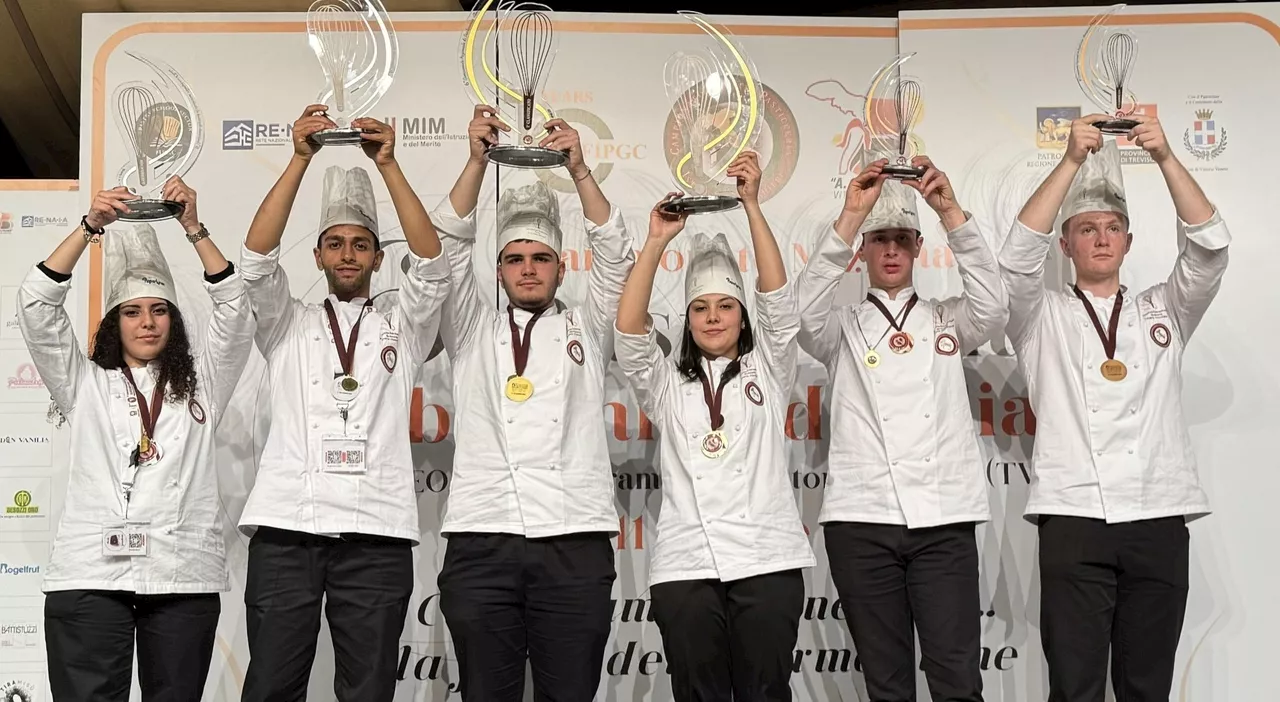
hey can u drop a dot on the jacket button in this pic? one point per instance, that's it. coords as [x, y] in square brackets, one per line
[502, 341]
[1131, 451]
[926, 459]
[315, 382]
[1095, 410]
[895, 463]
[1133, 410]
[315, 425]
[1137, 365]
[1098, 452]
[557, 339]
[926, 415]
[555, 420]
[699, 477]
[511, 420]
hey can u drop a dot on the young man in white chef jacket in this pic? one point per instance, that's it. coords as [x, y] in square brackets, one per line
[1115, 475]
[333, 513]
[906, 488]
[529, 568]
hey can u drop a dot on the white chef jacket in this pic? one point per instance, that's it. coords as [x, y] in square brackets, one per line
[293, 491]
[541, 467]
[735, 516]
[177, 495]
[1117, 451]
[903, 446]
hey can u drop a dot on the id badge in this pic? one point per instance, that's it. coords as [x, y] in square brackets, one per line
[131, 540]
[343, 454]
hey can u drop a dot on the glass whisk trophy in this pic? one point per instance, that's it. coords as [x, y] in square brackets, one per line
[522, 36]
[894, 106]
[1104, 65]
[163, 130]
[358, 51]
[715, 93]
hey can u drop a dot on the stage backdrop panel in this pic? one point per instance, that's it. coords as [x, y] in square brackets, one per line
[35, 215]
[996, 85]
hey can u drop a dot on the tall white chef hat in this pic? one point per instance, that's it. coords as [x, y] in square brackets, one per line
[712, 270]
[136, 267]
[894, 209]
[1098, 187]
[531, 212]
[348, 199]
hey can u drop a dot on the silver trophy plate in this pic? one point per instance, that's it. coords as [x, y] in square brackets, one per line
[341, 136]
[526, 156]
[1116, 126]
[143, 210]
[700, 204]
[901, 172]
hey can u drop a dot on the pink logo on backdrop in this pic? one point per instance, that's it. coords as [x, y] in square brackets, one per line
[26, 377]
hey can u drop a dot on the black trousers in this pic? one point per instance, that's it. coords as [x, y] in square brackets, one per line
[89, 635]
[508, 599]
[1121, 587]
[890, 578]
[730, 641]
[364, 583]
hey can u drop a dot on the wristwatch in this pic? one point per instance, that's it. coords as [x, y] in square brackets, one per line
[203, 233]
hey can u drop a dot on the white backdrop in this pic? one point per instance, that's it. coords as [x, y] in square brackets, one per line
[34, 217]
[252, 74]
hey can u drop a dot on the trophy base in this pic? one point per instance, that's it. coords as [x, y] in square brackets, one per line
[700, 204]
[531, 157]
[150, 210]
[1117, 126]
[903, 172]
[342, 136]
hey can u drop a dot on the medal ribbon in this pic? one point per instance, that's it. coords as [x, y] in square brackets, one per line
[519, 346]
[714, 400]
[150, 415]
[1108, 336]
[347, 351]
[906, 311]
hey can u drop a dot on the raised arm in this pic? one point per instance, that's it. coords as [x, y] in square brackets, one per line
[1023, 255]
[228, 336]
[612, 252]
[427, 281]
[982, 310]
[638, 353]
[1197, 274]
[42, 318]
[264, 279]
[816, 289]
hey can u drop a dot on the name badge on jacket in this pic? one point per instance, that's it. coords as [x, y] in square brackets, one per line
[343, 454]
[126, 540]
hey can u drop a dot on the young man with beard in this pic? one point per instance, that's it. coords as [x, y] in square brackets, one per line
[906, 488]
[1115, 473]
[529, 568]
[333, 514]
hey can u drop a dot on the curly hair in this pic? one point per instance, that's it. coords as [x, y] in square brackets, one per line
[176, 364]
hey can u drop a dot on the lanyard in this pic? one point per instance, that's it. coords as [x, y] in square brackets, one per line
[1108, 336]
[346, 351]
[145, 449]
[715, 399]
[894, 323]
[520, 346]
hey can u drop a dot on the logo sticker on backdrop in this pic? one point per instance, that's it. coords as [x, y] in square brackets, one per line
[1053, 126]
[17, 691]
[946, 345]
[196, 410]
[753, 393]
[1205, 138]
[1161, 335]
[389, 358]
[778, 144]
[600, 146]
[574, 348]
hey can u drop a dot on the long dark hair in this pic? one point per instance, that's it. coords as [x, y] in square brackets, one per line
[690, 363]
[176, 364]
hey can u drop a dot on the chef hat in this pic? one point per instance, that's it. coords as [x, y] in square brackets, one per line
[712, 270]
[136, 267]
[532, 213]
[348, 199]
[1098, 187]
[894, 209]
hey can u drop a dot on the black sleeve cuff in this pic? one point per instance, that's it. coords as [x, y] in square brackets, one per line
[53, 275]
[220, 276]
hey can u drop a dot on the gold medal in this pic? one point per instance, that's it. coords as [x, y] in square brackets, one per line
[714, 444]
[144, 446]
[872, 359]
[901, 342]
[519, 388]
[350, 384]
[1114, 370]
